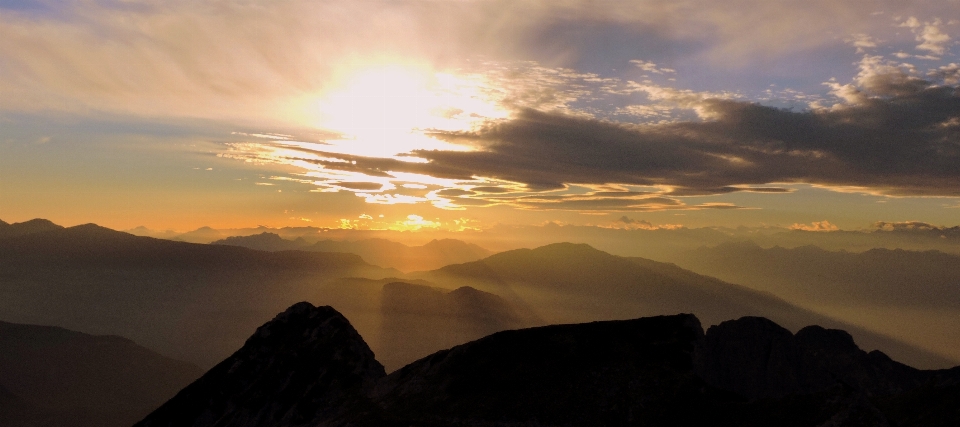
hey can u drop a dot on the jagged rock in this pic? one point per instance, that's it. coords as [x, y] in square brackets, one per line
[757, 358]
[308, 367]
[306, 364]
[633, 372]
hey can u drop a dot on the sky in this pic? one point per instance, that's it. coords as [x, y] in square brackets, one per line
[466, 114]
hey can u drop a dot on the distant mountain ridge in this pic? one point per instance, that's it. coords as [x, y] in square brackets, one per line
[190, 301]
[37, 225]
[572, 283]
[382, 252]
[918, 289]
[657, 371]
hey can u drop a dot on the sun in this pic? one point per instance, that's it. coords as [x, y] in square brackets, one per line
[387, 110]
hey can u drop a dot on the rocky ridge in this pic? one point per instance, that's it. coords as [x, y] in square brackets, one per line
[308, 367]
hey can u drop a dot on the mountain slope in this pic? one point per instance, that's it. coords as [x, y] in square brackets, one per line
[191, 301]
[263, 242]
[382, 252]
[418, 320]
[52, 372]
[404, 320]
[918, 289]
[308, 367]
[566, 283]
[386, 253]
[307, 363]
[37, 225]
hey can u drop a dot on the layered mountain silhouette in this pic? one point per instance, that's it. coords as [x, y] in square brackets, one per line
[569, 283]
[53, 376]
[382, 252]
[26, 227]
[308, 364]
[264, 242]
[310, 367]
[404, 320]
[418, 320]
[200, 235]
[919, 289]
[194, 302]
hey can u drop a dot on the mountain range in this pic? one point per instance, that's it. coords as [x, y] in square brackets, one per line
[569, 283]
[920, 289]
[196, 302]
[310, 367]
[193, 302]
[382, 252]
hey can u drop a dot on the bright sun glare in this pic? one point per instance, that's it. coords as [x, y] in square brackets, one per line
[385, 111]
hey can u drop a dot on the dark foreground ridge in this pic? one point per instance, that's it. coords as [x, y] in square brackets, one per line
[306, 365]
[309, 367]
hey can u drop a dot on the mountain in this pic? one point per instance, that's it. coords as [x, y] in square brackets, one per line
[382, 252]
[37, 225]
[263, 242]
[418, 320]
[158, 234]
[200, 235]
[572, 283]
[80, 379]
[306, 364]
[310, 367]
[194, 302]
[386, 253]
[403, 320]
[918, 289]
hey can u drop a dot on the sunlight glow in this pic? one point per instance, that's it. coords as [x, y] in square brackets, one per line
[385, 111]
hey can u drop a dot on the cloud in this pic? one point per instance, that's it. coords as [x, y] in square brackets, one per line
[906, 226]
[893, 130]
[933, 39]
[627, 223]
[254, 60]
[862, 42]
[815, 226]
[651, 67]
[950, 74]
[896, 133]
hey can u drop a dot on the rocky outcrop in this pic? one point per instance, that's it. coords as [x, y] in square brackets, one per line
[308, 367]
[306, 364]
[634, 372]
[757, 358]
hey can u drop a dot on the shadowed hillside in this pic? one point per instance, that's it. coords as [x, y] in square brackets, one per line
[382, 252]
[191, 301]
[405, 320]
[921, 290]
[564, 283]
[53, 376]
[309, 366]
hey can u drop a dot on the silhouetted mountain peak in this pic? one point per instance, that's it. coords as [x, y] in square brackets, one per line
[307, 363]
[835, 340]
[653, 371]
[581, 374]
[555, 252]
[94, 229]
[37, 225]
[755, 357]
[454, 244]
